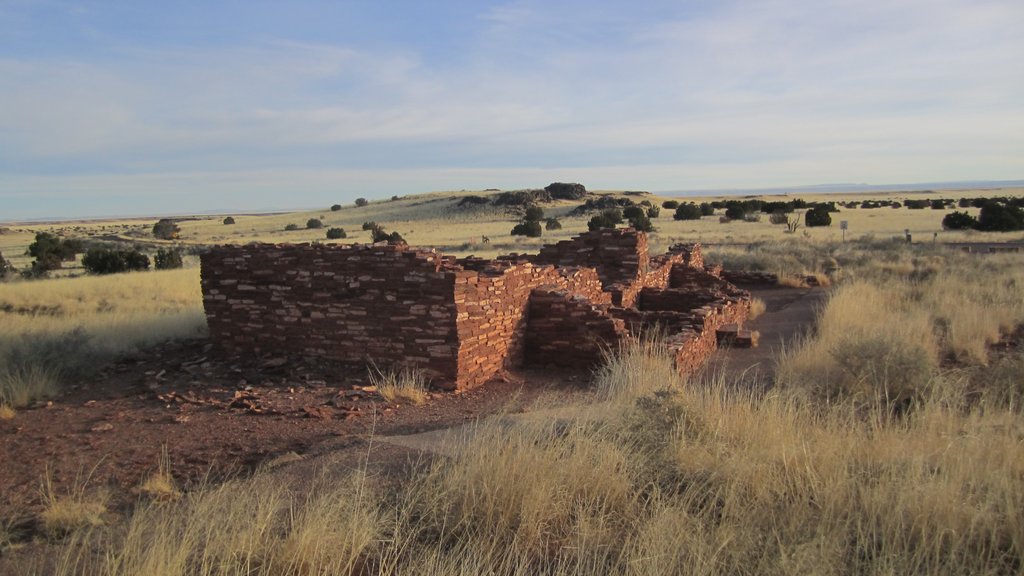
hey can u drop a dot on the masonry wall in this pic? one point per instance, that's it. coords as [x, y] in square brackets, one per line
[390, 304]
[569, 330]
[619, 255]
[463, 321]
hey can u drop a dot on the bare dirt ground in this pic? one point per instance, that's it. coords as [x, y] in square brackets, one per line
[217, 418]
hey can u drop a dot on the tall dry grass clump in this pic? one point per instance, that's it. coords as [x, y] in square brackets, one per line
[252, 526]
[400, 384]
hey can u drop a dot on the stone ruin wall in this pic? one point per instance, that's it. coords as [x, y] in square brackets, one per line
[335, 302]
[463, 321]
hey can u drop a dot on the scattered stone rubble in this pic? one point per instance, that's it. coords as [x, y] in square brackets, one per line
[462, 321]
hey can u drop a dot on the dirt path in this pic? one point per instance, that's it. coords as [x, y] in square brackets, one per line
[789, 314]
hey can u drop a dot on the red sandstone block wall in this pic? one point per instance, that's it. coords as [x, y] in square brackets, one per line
[566, 329]
[346, 303]
[494, 312]
[619, 255]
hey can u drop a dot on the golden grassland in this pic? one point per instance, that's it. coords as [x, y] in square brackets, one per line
[435, 220]
[62, 328]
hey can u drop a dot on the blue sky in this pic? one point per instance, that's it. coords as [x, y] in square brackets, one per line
[155, 107]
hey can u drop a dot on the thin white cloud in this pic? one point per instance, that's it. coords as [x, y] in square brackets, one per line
[778, 90]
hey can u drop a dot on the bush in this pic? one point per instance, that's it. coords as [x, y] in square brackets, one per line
[688, 211]
[50, 251]
[370, 225]
[378, 234]
[735, 211]
[552, 224]
[360, 202]
[530, 228]
[642, 223]
[166, 229]
[959, 221]
[168, 259]
[113, 261]
[653, 212]
[778, 218]
[228, 221]
[533, 214]
[335, 207]
[670, 204]
[336, 233]
[997, 217]
[313, 223]
[5, 266]
[817, 216]
[606, 219]
[290, 227]
[707, 209]
[630, 212]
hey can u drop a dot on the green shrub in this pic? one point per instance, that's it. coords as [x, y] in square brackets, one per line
[598, 222]
[735, 211]
[552, 224]
[314, 223]
[229, 220]
[533, 214]
[336, 233]
[166, 229]
[50, 252]
[369, 225]
[707, 209]
[817, 216]
[630, 212]
[335, 207]
[998, 217]
[530, 228]
[959, 221]
[113, 261]
[168, 259]
[641, 223]
[653, 212]
[688, 211]
[670, 204]
[5, 266]
[290, 227]
[360, 202]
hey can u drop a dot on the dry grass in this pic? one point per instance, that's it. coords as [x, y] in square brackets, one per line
[79, 508]
[160, 484]
[757, 308]
[7, 413]
[21, 385]
[402, 384]
[698, 478]
[52, 329]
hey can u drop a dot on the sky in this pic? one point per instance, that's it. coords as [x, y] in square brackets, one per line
[168, 107]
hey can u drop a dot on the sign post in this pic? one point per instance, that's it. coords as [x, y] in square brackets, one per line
[843, 225]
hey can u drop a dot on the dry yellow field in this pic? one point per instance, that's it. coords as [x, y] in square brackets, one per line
[434, 219]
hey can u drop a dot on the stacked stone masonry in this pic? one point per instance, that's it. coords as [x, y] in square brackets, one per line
[463, 321]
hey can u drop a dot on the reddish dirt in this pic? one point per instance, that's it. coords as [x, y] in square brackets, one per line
[217, 418]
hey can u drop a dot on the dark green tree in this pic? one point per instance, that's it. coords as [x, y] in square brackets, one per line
[113, 261]
[167, 259]
[166, 229]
